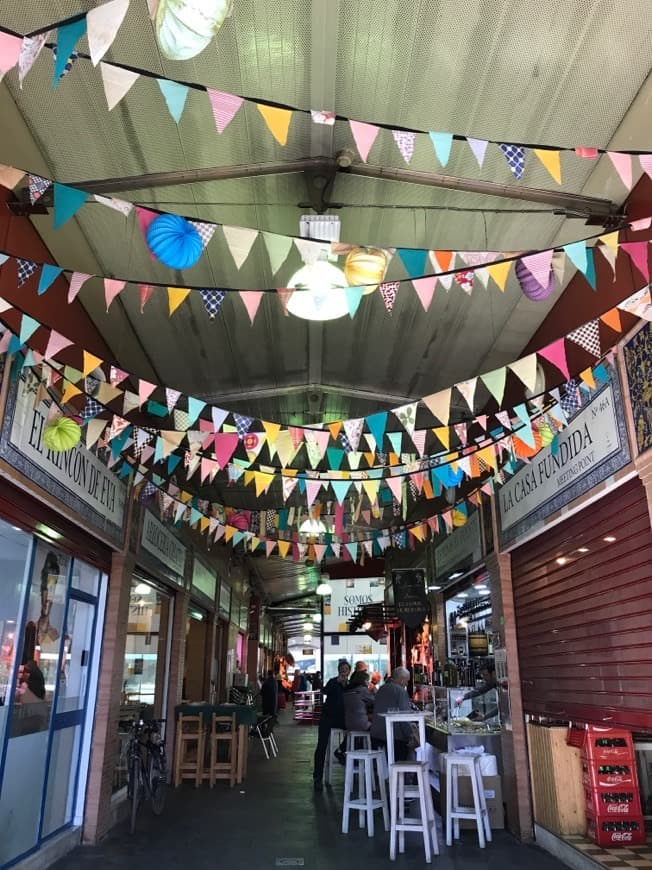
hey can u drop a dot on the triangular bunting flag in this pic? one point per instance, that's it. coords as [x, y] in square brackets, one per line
[77, 281]
[623, 165]
[212, 300]
[588, 337]
[407, 416]
[278, 248]
[646, 163]
[388, 291]
[526, 370]
[103, 23]
[576, 253]
[353, 298]
[224, 106]
[442, 144]
[353, 429]
[479, 148]
[225, 445]
[439, 405]
[251, 300]
[10, 48]
[112, 288]
[25, 269]
[90, 363]
[414, 260]
[364, 136]
[239, 240]
[144, 292]
[612, 319]
[556, 354]
[117, 83]
[377, 423]
[30, 50]
[271, 430]
[206, 231]
[494, 381]
[638, 253]
[284, 295]
[539, 266]
[56, 343]
[49, 275]
[67, 37]
[515, 157]
[176, 295]
[425, 289]
[175, 95]
[499, 272]
[419, 440]
[277, 120]
[28, 327]
[405, 140]
[551, 161]
[67, 200]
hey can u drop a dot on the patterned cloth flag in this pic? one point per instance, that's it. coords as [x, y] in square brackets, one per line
[91, 409]
[405, 143]
[353, 429]
[148, 491]
[570, 401]
[270, 521]
[588, 337]
[242, 424]
[322, 117]
[72, 57]
[37, 187]
[515, 157]
[346, 444]
[205, 231]
[25, 269]
[388, 291]
[465, 280]
[212, 300]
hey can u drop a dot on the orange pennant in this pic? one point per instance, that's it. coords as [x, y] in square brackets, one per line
[612, 319]
[334, 428]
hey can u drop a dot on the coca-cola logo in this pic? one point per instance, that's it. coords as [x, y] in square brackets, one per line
[614, 779]
[618, 808]
[621, 836]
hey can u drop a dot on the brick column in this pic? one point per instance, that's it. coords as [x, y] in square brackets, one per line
[643, 465]
[516, 779]
[97, 818]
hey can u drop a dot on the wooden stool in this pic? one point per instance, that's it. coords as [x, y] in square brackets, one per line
[465, 765]
[223, 731]
[335, 738]
[361, 762]
[189, 742]
[399, 791]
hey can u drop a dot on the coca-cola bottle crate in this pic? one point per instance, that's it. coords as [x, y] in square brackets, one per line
[609, 775]
[613, 802]
[611, 833]
[608, 745]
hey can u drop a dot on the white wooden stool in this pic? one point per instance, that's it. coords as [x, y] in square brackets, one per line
[465, 765]
[361, 761]
[336, 737]
[354, 738]
[399, 791]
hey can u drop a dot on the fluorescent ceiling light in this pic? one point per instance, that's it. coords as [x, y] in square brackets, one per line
[609, 539]
[582, 549]
[319, 292]
[462, 595]
[455, 575]
[316, 617]
[433, 588]
[307, 626]
[561, 560]
[142, 589]
[307, 638]
[324, 589]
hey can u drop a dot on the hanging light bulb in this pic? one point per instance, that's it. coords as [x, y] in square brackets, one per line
[307, 626]
[324, 589]
[316, 617]
[307, 638]
[319, 292]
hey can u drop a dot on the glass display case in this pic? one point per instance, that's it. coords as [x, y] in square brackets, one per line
[479, 715]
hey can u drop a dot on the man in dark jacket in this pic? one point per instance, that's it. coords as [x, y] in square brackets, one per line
[269, 695]
[332, 716]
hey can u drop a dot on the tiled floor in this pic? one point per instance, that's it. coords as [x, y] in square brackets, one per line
[632, 856]
[276, 820]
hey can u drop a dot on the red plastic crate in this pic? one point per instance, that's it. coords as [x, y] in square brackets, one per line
[611, 839]
[613, 803]
[593, 777]
[594, 752]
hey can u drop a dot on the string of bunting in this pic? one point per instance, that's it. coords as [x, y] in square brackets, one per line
[101, 25]
[227, 437]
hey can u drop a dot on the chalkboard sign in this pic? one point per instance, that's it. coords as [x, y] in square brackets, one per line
[410, 600]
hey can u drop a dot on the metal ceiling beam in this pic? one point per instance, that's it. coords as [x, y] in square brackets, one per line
[583, 206]
[275, 392]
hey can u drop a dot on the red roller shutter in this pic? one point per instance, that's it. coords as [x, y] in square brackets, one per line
[585, 624]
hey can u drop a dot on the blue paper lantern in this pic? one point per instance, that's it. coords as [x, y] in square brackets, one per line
[174, 241]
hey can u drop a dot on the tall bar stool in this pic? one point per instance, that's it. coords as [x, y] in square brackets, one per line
[224, 732]
[465, 765]
[399, 791]
[355, 738]
[189, 749]
[361, 762]
[336, 737]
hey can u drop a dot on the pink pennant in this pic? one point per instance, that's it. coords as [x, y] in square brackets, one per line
[112, 288]
[556, 354]
[425, 289]
[419, 440]
[224, 106]
[623, 164]
[364, 136]
[77, 281]
[116, 376]
[10, 47]
[481, 419]
[479, 148]
[588, 153]
[312, 490]
[638, 251]
[251, 299]
[56, 344]
[539, 266]
[269, 548]
[641, 224]
[284, 296]
[396, 486]
[405, 143]
[145, 216]
[144, 291]
[5, 340]
[225, 445]
[145, 390]
[388, 291]
[646, 163]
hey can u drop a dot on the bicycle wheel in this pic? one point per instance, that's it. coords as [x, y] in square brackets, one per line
[135, 778]
[157, 783]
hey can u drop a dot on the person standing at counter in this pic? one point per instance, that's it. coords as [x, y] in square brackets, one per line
[392, 695]
[332, 716]
[488, 684]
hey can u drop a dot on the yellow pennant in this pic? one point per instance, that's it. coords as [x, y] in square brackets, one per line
[370, 457]
[272, 430]
[417, 531]
[551, 161]
[90, 362]
[106, 393]
[277, 120]
[371, 488]
[611, 240]
[204, 523]
[334, 428]
[263, 482]
[499, 272]
[444, 436]
[283, 548]
[70, 391]
[176, 295]
[254, 543]
[587, 377]
[185, 497]
[229, 532]
[248, 477]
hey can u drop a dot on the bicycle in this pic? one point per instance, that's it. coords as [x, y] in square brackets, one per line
[147, 766]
